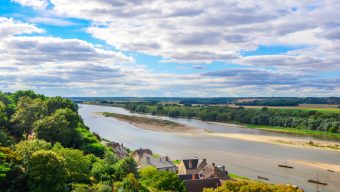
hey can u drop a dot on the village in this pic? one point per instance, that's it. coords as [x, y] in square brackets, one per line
[196, 173]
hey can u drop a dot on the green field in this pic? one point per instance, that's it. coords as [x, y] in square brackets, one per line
[310, 107]
[321, 134]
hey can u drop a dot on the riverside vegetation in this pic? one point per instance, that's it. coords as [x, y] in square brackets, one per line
[307, 122]
[45, 146]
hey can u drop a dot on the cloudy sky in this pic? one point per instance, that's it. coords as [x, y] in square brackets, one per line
[171, 48]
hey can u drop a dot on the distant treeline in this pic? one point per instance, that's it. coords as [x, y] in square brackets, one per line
[289, 101]
[270, 102]
[314, 120]
[255, 101]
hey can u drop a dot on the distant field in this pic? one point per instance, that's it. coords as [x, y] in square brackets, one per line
[317, 107]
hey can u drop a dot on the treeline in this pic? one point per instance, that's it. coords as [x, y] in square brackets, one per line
[288, 101]
[301, 119]
[45, 146]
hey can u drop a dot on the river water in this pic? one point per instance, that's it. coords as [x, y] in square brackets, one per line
[246, 158]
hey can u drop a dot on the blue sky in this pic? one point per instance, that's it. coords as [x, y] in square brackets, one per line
[162, 48]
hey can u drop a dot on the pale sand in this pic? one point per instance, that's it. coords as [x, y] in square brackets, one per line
[293, 142]
[192, 131]
[182, 129]
[331, 167]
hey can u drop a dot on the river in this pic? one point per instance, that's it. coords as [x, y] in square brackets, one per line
[245, 158]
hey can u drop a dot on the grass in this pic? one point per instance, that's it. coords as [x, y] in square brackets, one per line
[304, 107]
[307, 132]
[234, 176]
[144, 120]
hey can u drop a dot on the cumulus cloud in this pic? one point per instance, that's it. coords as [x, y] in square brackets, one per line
[193, 31]
[190, 31]
[36, 4]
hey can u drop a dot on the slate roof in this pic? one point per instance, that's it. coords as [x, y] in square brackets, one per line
[199, 184]
[195, 163]
[158, 162]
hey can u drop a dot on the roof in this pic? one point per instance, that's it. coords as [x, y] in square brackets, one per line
[195, 163]
[199, 184]
[211, 171]
[158, 162]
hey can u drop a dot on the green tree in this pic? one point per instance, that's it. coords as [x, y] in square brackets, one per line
[46, 172]
[55, 103]
[161, 180]
[54, 128]
[27, 112]
[129, 184]
[125, 166]
[25, 149]
[76, 163]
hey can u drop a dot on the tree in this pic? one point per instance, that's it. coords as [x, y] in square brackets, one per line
[27, 112]
[28, 93]
[129, 184]
[161, 180]
[46, 172]
[54, 128]
[125, 166]
[55, 103]
[25, 149]
[76, 163]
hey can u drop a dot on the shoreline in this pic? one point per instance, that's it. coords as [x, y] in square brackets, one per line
[172, 127]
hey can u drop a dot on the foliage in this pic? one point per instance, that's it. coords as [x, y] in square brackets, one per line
[28, 110]
[76, 163]
[129, 184]
[301, 119]
[55, 103]
[46, 172]
[125, 166]
[161, 180]
[25, 149]
[252, 186]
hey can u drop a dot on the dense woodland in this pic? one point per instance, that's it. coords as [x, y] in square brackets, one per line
[301, 119]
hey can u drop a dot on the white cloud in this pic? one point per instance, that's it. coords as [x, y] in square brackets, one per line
[36, 4]
[9, 27]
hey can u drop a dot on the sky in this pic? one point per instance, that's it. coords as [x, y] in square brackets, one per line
[186, 48]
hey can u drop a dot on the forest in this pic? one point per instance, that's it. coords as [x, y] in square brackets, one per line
[300, 119]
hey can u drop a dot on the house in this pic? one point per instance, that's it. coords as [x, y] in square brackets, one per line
[139, 153]
[118, 149]
[197, 185]
[145, 158]
[191, 166]
[212, 171]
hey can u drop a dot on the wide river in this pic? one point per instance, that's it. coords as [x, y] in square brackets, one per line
[246, 158]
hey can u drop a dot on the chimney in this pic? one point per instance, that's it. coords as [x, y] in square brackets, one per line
[213, 164]
[148, 159]
[204, 160]
[223, 168]
[166, 158]
[193, 177]
[190, 163]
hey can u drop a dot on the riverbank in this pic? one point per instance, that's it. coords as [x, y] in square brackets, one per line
[173, 127]
[295, 131]
[154, 124]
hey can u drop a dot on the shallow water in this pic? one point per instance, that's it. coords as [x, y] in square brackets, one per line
[246, 158]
